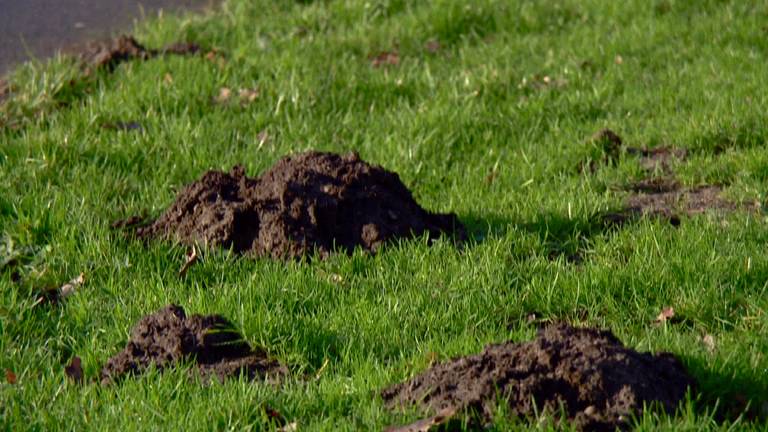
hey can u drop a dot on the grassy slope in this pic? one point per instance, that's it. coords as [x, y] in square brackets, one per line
[693, 75]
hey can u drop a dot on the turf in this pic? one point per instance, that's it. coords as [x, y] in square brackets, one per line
[491, 125]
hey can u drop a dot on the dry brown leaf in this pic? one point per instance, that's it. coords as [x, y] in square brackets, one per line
[74, 370]
[10, 376]
[248, 95]
[290, 427]
[70, 287]
[263, 137]
[665, 315]
[191, 260]
[224, 95]
[386, 58]
[618, 60]
[709, 342]
[432, 46]
[425, 425]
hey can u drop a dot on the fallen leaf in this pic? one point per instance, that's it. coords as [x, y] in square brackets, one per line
[709, 342]
[618, 60]
[489, 179]
[10, 376]
[248, 95]
[290, 427]
[70, 287]
[665, 315]
[432, 46]
[385, 58]
[191, 260]
[432, 358]
[224, 95]
[263, 138]
[74, 370]
[425, 425]
[123, 125]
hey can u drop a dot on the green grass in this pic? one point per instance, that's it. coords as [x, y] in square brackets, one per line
[693, 75]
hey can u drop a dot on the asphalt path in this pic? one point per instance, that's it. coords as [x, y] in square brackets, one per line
[37, 29]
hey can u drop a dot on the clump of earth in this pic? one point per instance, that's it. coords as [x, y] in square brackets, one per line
[108, 54]
[169, 337]
[598, 381]
[307, 202]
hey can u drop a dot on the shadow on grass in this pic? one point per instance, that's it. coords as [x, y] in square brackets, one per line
[557, 235]
[732, 396]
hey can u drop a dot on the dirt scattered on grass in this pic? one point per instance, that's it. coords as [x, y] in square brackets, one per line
[665, 198]
[305, 202]
[599, 382]
[109, 54]
[134, 221]
[74, 370]
[123, 126]
[611, 146]
[385, 58]
[659, 158]
[433, 46]
[5, 90]
[168, 337]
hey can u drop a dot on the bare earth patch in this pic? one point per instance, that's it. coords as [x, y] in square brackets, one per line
[667, 199]
[598, 381]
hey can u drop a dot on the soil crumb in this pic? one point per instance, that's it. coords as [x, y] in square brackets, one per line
[107, 55]
[169, 337]
[305, 202]
[597, 380]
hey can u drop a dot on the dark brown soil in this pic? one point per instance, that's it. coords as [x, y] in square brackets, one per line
[306, 202]
[597, 380]
[168, 337]
[107, 55]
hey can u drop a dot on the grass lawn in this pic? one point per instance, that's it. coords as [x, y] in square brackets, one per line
[486, 111]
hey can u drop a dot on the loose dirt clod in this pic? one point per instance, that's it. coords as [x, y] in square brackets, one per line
[168, 337]
[107, 55]
[306, 202]
[597, 380]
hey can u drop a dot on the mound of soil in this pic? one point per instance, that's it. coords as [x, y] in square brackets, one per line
[597, 380]
[310, 201]
[168, 337]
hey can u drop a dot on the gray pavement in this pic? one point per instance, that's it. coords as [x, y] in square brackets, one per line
[38, 28]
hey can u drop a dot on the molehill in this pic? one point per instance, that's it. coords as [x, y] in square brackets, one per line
[597, 380]
[305, 202]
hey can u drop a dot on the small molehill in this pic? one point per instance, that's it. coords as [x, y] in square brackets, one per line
[598, 382]
[168, 337]
[306, 202]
